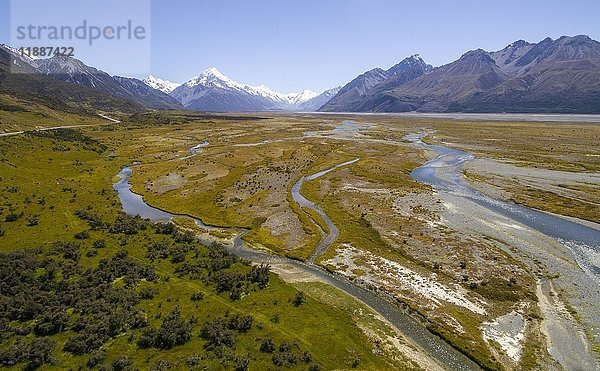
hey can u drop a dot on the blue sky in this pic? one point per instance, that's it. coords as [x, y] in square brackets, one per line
[318, 44]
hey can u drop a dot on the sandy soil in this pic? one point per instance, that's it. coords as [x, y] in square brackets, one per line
[564, 339]
[534, 175]
[291, 274]
[395, 278]
[508, 331]
[167, 183]
[285, 225]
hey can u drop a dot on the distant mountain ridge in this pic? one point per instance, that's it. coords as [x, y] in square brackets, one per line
[74, 71]
[319, 101]
[351, 96]
[163, 85]
[560, 75]
[213, 91]
[210, 91]
[96, 83]
[20, 78]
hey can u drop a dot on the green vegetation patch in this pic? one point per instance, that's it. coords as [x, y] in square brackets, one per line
[84, 285]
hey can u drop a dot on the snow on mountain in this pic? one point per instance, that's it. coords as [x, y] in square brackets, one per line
[65, 66]
[19, 62]
[163, 85]
[358, 91]
[212, 77]
[16, 52]
[412, 62]
[71, 70]
[320, 100]
[332, 92]
[212, 80]
[299, 98]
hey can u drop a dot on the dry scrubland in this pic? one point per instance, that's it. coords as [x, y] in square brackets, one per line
[389, 224]
[392, 236]
[136, 295]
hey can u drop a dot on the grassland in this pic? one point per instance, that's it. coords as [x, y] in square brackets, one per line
[571, 147]
[243, 178]
[360, 200]
[46, 179]
[17, 115]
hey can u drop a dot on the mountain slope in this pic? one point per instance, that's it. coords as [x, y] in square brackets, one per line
[21, 80]
[314, 104]
[297, 99]
[74, 71]
[350, 95]
[163, 85]
[212, 91]
[473, 73]
[12, 61]
[356, 95]
[560, 75]
[151, 97]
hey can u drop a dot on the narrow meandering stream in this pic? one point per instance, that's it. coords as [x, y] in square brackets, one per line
[332, 235]
[438, 349]
[195, 150]
[134, 204]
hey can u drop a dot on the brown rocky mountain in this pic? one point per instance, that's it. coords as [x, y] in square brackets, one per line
[560, 75]
[67, 83]
[20, 79]
[352, 96]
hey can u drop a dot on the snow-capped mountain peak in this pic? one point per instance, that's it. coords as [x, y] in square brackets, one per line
[333, 91]
[211, 90]
[214, 72]
[212, 77]
[303, 96]
[316, 102]
[16, 59]
[16, 52]
[163, 85]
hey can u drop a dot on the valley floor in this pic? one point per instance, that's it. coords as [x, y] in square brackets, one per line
[492, 288]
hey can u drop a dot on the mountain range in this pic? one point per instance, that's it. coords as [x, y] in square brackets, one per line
[213, 91]
[560, 75]
[76, 72]
[20, 78]
[163, 85]
[351, 96]
[210, 91]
